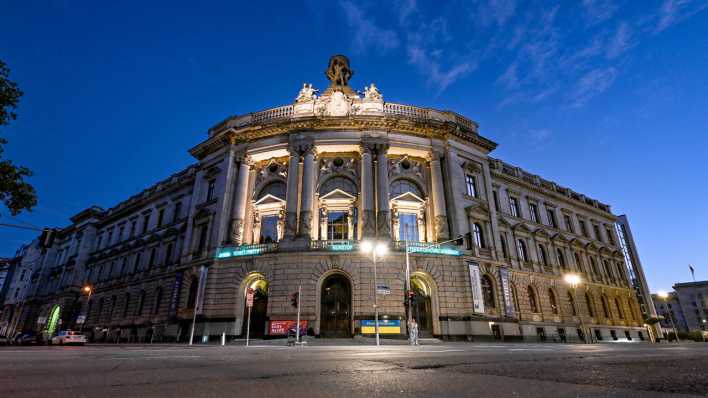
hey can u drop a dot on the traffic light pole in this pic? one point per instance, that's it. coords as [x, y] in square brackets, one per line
[408, 289]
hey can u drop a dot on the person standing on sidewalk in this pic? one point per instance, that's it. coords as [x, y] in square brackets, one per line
[414, 332]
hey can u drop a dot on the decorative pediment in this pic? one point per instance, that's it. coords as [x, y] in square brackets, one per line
[405, 166]
[408, 197]
[576, 242]
[540, 232]
[591, 246]
[269, 200]
[521, 227]
[559, 237]
[337, 195]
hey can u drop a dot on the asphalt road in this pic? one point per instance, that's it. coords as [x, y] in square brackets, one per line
[438, 370]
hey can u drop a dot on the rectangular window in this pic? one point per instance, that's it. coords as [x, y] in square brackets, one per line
[552, 218]
[202, 238]
[110, 237]
[495, 195]
[146, 222]
[121, 231]
[210, 190]
[610, 238]
[132, 228]
[568, 223]
[178, 210]
[337, 225]
[583, 229]
[136, 268]
[471, 185]
[514, 206]
[596, 230]
[168, 254]
[533, 212]
[408, 227]
[100, 241]
[269, 229]
[160, 217]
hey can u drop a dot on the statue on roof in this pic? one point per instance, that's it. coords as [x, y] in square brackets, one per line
[307, 93]
[338, 72]
[372, 93]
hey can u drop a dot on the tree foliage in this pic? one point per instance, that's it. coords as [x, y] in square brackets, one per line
[15, 192]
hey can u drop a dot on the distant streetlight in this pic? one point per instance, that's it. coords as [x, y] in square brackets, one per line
[665, 296]
[573, 280]
[376, 249]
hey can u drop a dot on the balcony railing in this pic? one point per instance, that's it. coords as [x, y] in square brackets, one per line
[426, 248]
[334, 245]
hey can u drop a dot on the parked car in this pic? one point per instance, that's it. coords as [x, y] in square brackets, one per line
[68, 337]
[29, 338]
[4, 340]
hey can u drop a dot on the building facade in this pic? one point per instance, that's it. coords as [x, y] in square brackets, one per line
[687, 305]
[281, 200]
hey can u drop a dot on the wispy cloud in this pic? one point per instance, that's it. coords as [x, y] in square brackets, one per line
[674, 11]
[620, 42]
[594, 82]
[366, 33]
[597, 11]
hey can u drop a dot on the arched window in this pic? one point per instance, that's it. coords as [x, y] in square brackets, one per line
[275, 188]
[192, 295]
[478, 235]
[605, 306]
[533, 303]
[338, 182]
[591, 306]
[158, 301]
[561, 258]
[619, 308]
[505, 250]
[399, 187]
[515, 298]
[521, 250]
[542, 254]
[141, 303]
[552, 300]
[571, 300]
[488, 292]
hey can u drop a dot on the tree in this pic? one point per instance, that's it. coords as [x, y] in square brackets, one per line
[15, 192]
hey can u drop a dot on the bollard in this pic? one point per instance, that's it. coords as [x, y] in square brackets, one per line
[223, 338]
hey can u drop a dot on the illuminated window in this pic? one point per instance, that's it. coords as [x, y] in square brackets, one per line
[408, 227]
[514, 206]
[269, 229]
[337, 225]
[478, 235]
[521, 250]
[471, 185]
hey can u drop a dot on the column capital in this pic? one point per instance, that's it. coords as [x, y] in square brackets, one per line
[435, 155]
[244, 157]
[374, 144]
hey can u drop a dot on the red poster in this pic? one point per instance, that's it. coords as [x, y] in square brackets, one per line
[280, 328]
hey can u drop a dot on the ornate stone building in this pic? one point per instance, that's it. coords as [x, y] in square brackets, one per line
[283, 198]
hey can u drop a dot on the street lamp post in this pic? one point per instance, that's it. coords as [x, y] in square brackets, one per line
[573, 280]
[665, 296]
[376, 250]
[88, 290]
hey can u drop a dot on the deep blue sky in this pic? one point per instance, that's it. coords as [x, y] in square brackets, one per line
[608, 98]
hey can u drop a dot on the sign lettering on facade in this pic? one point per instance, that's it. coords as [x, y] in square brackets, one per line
[280, 328]
[174, 300]
[475, 282]
[249, 297]
[506, 291]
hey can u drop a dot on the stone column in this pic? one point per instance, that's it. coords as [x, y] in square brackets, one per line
[368, 215]
[308, 191]
[440, 216]
[383, 218]
[291, 195]
[239, 210]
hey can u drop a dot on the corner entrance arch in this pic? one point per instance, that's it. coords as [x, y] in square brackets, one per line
[336, 306]
[259, 311]
[422, 305]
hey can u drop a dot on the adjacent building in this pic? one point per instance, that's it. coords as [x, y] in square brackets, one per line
[282, 199]
[687, 305]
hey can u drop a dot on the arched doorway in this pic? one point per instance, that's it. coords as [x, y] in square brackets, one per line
[259, 310]
[336, 307]
[53, 320]
[422, 306]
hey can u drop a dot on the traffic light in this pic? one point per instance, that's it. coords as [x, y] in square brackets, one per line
[46, 240]
[293, 299]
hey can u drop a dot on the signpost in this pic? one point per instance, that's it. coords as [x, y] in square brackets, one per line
[297, 330]
[383, 289]
[249, 304]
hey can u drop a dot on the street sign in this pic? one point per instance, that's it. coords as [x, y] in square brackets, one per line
[383, 289]
[249, 297]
